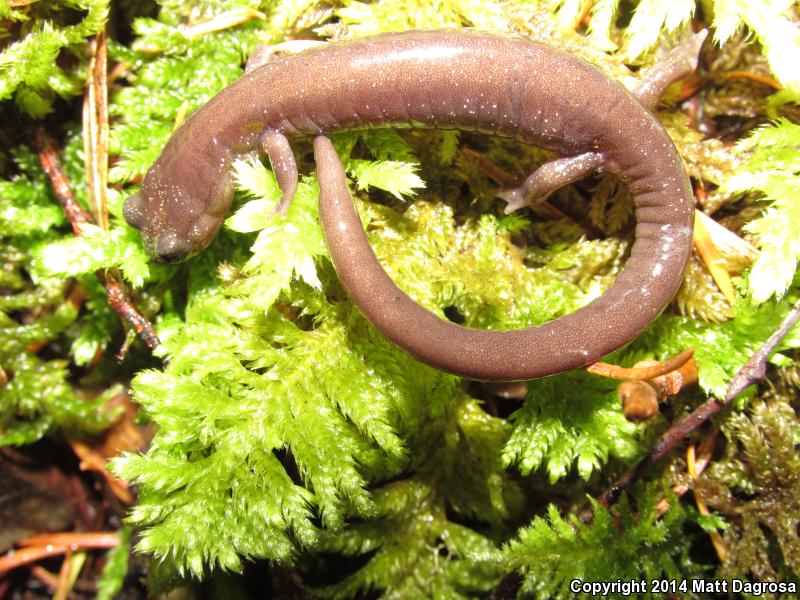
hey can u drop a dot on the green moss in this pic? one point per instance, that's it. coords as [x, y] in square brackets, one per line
[755, 486]
[29, 71]
[288, 428]
[630, 544]
[116, 568]
[770, 169]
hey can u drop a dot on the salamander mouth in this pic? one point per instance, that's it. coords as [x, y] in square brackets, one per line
[168, 247]
[171, 248]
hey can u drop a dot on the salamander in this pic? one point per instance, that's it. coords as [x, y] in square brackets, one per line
[511, 87]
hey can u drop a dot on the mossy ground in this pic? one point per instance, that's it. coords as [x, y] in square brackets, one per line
[288, 429]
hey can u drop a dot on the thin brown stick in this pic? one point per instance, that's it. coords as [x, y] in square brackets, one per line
[702, 460]
[753, 371]
[702, 508]
[584, 16]
[90, 460]
[75, 539]
[116, 294]
[497, 174]
[95, 130]
[641, 373]
[757, 77]
[44, 546]
[62, 586]
[48, 157]
[120, 302]
[45, 576]
[51, 581]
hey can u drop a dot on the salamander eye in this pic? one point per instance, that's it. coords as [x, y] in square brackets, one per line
[171, 248]
[134, 211]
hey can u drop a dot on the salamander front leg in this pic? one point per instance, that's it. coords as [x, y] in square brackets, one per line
[680, 62]
[277, 147]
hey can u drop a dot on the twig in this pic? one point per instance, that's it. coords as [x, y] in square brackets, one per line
[54, 544]
[701, 462]
[756, 367]
[117, 297]
[497, 174]
[51, 581]
[62, 585]
[121, 304]
[95, 130]
[641, 373]
[74, 539]
[750, 373]
[757, 77]
[48, 157]
[716, 538]
[90, 460]
[45, 576]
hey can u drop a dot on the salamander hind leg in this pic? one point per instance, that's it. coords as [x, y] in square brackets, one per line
[678, 64]
[260, 56]
[548, 178]
[277, 147]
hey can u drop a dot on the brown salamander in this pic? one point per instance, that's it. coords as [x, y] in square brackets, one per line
[507, 86]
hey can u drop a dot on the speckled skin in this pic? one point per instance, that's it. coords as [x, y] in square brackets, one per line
[472, 81]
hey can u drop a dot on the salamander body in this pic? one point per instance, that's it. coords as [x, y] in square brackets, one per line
[511, 87]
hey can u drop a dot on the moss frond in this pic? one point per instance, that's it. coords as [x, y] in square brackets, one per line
[772, 24]
[650, 19]
[628, 544]
[288, 427]
[40, 396]
[555, 430]
[94, 250]
[416, 552]
[770, 168]
[756, 486]
[720, 348]
[116, 567]
[29, 71]
[397, 178]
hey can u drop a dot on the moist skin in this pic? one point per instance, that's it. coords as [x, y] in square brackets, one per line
[511, 87]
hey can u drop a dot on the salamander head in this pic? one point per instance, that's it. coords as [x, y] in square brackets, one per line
[160, 236]
[172, 223]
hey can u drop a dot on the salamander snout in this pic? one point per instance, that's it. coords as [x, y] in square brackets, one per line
[167, 245]
[171, 248]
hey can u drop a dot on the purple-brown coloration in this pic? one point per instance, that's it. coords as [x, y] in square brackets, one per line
[449, 79]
